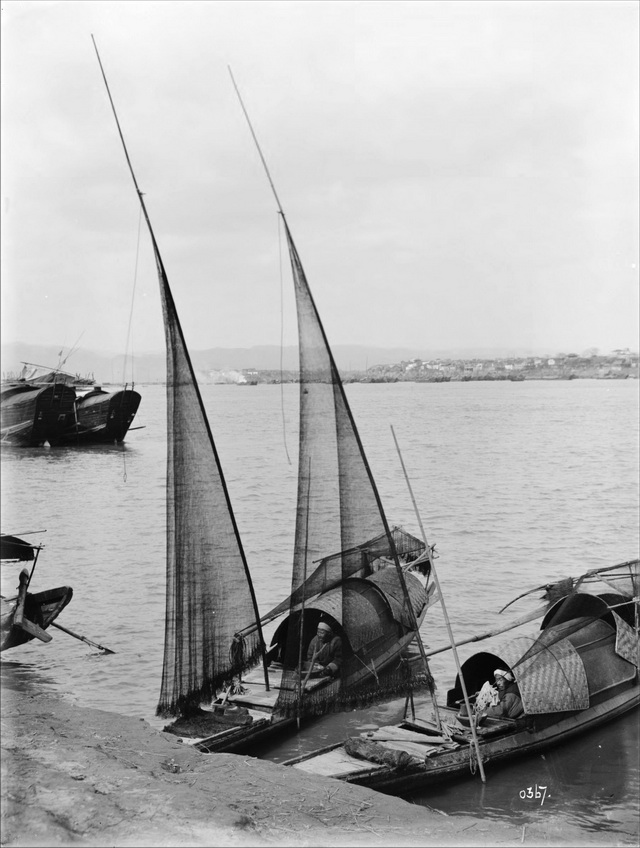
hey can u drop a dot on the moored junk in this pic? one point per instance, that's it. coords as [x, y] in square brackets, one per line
[54, 407]
[102, 416]
[578, 672]
[32, 414]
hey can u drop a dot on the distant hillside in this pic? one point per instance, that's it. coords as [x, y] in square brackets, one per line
[150, 367]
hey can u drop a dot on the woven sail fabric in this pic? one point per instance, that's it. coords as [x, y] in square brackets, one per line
[209, 593]
[338, 509]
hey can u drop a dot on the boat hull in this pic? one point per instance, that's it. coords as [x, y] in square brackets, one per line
[41, 608]
[579, 672]
[260, 702]
[102, 417]
[32, 415]
[456, 765]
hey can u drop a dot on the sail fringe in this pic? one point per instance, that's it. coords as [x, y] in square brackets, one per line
[389, 686]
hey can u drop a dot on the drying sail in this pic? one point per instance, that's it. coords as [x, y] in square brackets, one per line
[209, 593]
[339, 513]
[373, 608]
[210, 596]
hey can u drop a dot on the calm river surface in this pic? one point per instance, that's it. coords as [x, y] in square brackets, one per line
[517, 484]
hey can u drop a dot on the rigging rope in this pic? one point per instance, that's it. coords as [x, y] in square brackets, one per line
[284, 429]
[133, 294]
[126, 349]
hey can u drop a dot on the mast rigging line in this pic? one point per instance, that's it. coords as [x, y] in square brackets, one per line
[284, 427]
[133, 297]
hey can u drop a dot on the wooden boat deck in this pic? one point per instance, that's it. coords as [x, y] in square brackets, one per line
[497, 743]
[258, 697]
[337, 763]
[260, 703]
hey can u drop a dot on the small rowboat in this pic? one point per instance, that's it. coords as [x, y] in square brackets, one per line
[27, 615]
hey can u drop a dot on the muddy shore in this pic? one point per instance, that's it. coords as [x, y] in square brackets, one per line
[74, 776]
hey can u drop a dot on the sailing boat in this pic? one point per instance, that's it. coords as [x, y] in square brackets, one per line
[350, 568]
[351, 571]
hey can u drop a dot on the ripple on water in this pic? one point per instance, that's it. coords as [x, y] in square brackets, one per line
[516, 486]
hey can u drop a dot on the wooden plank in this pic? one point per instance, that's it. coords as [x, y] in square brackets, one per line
[22, 596]
[399, 734]
[412, 748]
[336, 762]
[34, 630]
[256, 677]
[255, 680]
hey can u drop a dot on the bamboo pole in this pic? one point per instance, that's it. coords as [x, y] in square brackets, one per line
[446, 617]
[480, 636]
[302, 684]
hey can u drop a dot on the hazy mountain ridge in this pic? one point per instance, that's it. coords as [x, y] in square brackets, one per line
[151, 367]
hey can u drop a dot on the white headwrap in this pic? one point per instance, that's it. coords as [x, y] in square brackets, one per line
[501, 672]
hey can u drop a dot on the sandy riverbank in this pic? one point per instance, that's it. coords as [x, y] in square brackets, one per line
[74, 776]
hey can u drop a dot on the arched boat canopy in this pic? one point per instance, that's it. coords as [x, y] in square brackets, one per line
[584, 648]
[551, 680]
[368, 604]
[584, 605]
[614, 608]
[13, 548]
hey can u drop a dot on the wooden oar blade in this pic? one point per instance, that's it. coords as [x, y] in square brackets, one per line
[82, 638]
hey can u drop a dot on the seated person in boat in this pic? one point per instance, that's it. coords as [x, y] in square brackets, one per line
[510, 703]
[325, 649]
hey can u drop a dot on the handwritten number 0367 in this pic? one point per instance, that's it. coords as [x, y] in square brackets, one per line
[531, 792]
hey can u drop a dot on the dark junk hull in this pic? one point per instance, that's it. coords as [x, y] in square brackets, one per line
[374, 642]
[581, 672]
[32, 416]
[102, 417]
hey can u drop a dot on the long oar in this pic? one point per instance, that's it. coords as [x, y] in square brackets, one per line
[82, 638]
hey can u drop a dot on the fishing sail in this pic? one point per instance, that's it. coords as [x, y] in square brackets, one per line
[209, 591]
[374, 605]
[341, 524]
[210, 595]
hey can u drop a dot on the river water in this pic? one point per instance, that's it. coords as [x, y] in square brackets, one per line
[518, 484]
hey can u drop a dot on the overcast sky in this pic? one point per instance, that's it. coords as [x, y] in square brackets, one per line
[456, 175]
